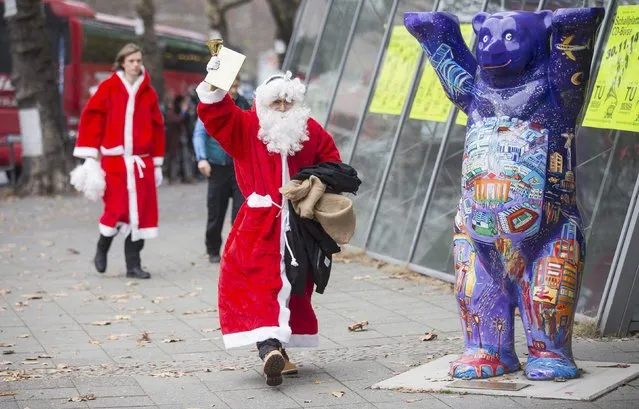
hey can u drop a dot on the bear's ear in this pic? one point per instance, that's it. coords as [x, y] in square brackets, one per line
[546, 17]
[478, 21]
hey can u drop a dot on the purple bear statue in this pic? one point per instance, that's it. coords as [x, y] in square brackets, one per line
[518, 239]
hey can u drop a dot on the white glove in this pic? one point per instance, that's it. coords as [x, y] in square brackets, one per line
[158, 176]
[214, 63]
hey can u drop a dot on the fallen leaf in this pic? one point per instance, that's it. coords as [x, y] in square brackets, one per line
[170, 310]
[337, 394]
[101, 323]
[6, 363]
[361, 277]
[169, 374]
[307, 401]
[8, 352]
[614, 366]
[358, 326]
[62, 366]
[228, 368]
[44, 356]
[22, 304]
[122, 317]
[7, 393]
[47, 243]
[413, 400]
[5, 345]
[113, 337]
[23, 336]
[73, 251]
[94, 342]
[82, 398]
[171, 340]
[132, 283]
[144, 338]
[207, 330]
[317, 382]
[558, 379]
[4, 291]
[429, 336]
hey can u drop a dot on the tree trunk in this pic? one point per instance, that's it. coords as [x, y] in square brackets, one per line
[283, 12]
[216, 11]
[153, 60]
[46, 163]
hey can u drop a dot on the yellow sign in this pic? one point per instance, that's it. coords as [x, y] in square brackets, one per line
[399, 65]
[431, 102]
[614, 103]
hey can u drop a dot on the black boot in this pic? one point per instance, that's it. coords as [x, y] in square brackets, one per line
[132, 256]
[100, 259]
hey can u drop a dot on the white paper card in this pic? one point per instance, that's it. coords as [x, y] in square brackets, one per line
[230, 65]
[10, 8]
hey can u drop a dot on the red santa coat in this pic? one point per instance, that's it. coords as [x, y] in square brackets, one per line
[123, 122]
[254, 295]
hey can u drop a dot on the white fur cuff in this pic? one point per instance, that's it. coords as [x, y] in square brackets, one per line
[85, 152]
[207, 96]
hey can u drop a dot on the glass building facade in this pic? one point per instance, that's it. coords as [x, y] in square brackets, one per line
[410, 165]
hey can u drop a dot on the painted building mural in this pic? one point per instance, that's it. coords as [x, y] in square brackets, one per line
[518, 241]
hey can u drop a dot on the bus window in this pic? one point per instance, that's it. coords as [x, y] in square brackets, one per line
[102, 42]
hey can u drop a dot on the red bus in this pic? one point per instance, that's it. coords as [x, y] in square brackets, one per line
[84, 45]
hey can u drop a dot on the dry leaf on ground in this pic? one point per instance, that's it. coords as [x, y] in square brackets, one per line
[5, 345]
[43, 356]
[7, 393]
[337, 394]
[4, 291]
[169, 374]
[429, 336]
[122, 317]
[358, 326]
[101, 323]
[23, 336]
[8, 352]
[73, 251]
[144, 338]
[82, 398]
[228, 368]
[171, 340]
[94, 341]
[22, 304]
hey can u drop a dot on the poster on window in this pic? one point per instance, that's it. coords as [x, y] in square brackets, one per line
[431, 102]
[614, 103]
[397, 71]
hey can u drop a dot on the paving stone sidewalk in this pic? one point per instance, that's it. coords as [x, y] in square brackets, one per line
[67, 332]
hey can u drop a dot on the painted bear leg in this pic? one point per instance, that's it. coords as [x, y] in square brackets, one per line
[486, 311]
[549, 297]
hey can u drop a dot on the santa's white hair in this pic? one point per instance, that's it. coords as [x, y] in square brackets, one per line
[282, 132]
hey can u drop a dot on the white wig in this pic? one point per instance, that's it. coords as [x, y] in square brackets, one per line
[280, 86]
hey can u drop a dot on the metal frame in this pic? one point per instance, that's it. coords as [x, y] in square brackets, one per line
[438, 164]
[622, 287]
[342, 63]
[371, 88]
[408, 104]
[318, 41]
[296, 27]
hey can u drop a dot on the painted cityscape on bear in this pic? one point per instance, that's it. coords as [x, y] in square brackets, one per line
[503, 178]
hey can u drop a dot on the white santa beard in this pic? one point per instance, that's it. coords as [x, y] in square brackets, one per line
[283, 132]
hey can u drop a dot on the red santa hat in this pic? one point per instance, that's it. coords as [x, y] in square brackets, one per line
[280, 86]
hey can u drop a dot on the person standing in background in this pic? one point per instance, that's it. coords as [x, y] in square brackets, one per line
[217, 166]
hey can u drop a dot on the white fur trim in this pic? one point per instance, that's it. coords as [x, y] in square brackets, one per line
[85, 152]
[115, 151]
[302, 341]
[279, 86]
[207, 96]
[130, 160]
[107, 231]
[285, 291]
[147, 233]
[255, 200]
[158, 161]
[240, 339]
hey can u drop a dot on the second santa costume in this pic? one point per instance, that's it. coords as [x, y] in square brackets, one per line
[254, 295]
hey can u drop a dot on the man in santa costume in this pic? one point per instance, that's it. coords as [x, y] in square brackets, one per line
[123, 124]
[268, 144]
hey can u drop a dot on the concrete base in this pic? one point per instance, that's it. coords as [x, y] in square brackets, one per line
[597, 379]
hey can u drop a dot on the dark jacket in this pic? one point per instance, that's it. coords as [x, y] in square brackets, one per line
[312, 247]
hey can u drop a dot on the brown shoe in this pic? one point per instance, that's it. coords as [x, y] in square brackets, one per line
[289, 367]
[274, 363]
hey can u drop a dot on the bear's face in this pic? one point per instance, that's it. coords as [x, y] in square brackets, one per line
[511, 42]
